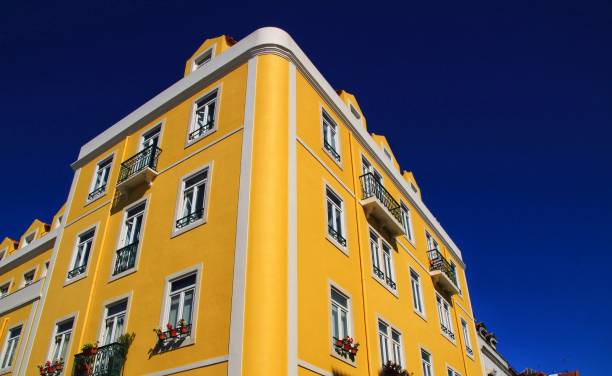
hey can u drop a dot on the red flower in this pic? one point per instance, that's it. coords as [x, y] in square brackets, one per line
[169, 326]
[350, 340]
[347, 347]
[338, 342]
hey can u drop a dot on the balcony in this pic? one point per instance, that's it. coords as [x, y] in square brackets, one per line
[380, 205]
[442, 273]
[139, 169]
[107, 361]
[126, 258]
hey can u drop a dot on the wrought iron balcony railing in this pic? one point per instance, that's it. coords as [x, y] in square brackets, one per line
[77, 271]
[438, 262]
[126, 258]
[391, 283]
[336, 235]
[146, 158]
[331, 150]
[447, 331]
[96, 192]
[379, 273]
[201, 131]
[373, 188]
[107, 361]
[182, 222]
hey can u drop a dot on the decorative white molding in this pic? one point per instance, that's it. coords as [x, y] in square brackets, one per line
[21, 297]
[30, 251]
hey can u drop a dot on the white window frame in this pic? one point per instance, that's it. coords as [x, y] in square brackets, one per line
[350, 328]
[466, 337]
[165, 311]
[430, 363]
[418, 303]
[109, 161]
[156, 128]
[207, 98]
[450, 371]
[58, 221]
[45, 269]
[28, 238]
[457, 280]
[6, 284]
[393, 350]
[327, 122]
[384, 264]
[122, 234]
[107, 304]
[368, 167]
[407, 222]
[204, 58]
[75, 252]
[354, 111]
[3, 253]
[11, 348]
[63, 343]
[445, 317]
[431, 242]
[178, 211]
[24, 282]
[328, 189]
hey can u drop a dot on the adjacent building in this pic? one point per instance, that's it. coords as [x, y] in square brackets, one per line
[242, 222]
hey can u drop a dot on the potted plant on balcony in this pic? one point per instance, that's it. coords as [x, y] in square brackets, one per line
[51, 368]
[90, 348]
[161, 336]
[172, 330]
[183, 326]
[393, 369]
[346, 347]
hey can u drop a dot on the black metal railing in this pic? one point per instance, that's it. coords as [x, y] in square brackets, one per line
[469, 350]
[336, 235]
[108, 360]
[146, 158]
[175, 334]
[77, 271]
[391, 283]
[126, 258]
[438, 262]
[201, 130]
[331, 150]
[96, 192]
[373, 188]
[447, 331]
[379, 273]
[182, 222]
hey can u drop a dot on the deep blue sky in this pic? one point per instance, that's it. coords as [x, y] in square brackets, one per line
[503, 111]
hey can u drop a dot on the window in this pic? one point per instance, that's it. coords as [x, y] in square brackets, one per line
[387, 154]
[414, 188]
[431, 243]
[426, 361]
[203, 119]
[114, 322]
[356, 113]
[193, 199]
[340, 315]
[454, 276]
[100, 179]
[335, 218]
[82, 252]
[417, 294]
[445, 317]
[330, 137]
[367, 168]
[2, 253]
[407, 221]
[58, 222]
[452, 372]
[390, 344]
[10, 347]
[61, 340]
[180, 300]
[466, 337]
[4, 289]
[382, 253]
[28, 278]
[204, 58]
[28, 239]
[45, 270]
[150, 138]
[130, 236]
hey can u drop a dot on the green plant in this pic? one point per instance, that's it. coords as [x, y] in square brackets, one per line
[393, 369]
[126, 340]
[88, 348]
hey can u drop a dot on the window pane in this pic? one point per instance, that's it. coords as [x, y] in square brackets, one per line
[339, 298]
[184, 282]
[174, 307]
[188, 306]
[335, 322]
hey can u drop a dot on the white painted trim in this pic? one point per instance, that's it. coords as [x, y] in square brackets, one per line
[108, 302]
[311, 367]
[94, 227]
[110, 156]
[208, 167]
[292, 218]
[25, 236]
[211, 50]
[392, 327]
[3, 349]
[322, 111]
[161, 124]
[190, 366]
[267, 40]
[423, 314]
[87, 213]
[73, 316]
[351, 327]
[194, 105]
[242, 223]
[341, 248]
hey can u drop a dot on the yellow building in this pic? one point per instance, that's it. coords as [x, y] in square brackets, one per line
[246, 214]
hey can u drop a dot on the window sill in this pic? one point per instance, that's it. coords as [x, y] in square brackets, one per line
[421, 315]
[122, 274]
[176, 232]
[75, 279]
[189, 341]
[330, 155]
[201, 137]
[334, 354]
[6, 371]
[97, 198]
[340, 247]
[471, 356]
[448, 338]
[384, 284]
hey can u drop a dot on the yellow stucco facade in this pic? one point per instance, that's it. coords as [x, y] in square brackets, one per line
[249, 200]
